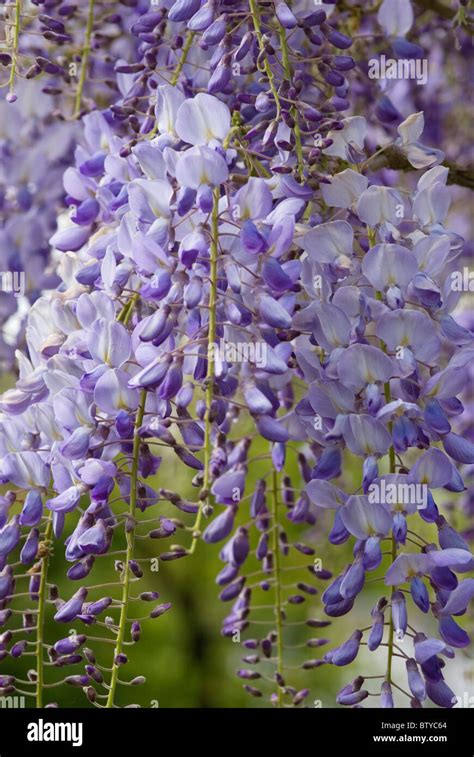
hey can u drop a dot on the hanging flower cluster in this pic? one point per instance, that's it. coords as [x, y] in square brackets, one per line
[240, 292]
[75, 57]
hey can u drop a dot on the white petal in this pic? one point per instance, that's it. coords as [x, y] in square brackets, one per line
[412, 128]
[345, 188]
[328, 241]
[168, 101]
[202, 119]
[421, 156]
[395, 17]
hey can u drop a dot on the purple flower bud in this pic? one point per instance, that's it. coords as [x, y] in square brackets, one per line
[5, 615]
[440, 693]
[376, 632]
[285, 15]
[215, 32]
[79, 680]
[160, 610]
[232, 590]
[400, 528]
[253, 691]
[149, 596]
[9, 536]
[244, 46]
[34, 586]
[415, 680]
[73, 607]
[81, 569]
[32, 509]
[69, 644]
[352, 693]
[227, 574]
[18, 649]
[419, 593]
[72, 659]
[202, 19]
[347, 652]
[96, 608]
[353, 581]
[6, 582]
[138, 681]
[249, 675]
[229, 488]
[386, 696]
[399, 614]
[339, 40]
[272, 429]
[94, 673]
[30, 547]
[182, 10]
[220, 527]
[453, 634]
[339, 533]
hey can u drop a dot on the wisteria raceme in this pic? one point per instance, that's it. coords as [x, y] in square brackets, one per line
[257, 287]
[81, 73]
[30, 201]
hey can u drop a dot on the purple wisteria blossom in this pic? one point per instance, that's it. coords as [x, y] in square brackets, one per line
[250, 290]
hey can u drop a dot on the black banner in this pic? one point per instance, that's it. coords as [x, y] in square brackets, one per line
[312, 731]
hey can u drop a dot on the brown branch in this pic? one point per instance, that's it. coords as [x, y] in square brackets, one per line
[438, 7]
[395, 159]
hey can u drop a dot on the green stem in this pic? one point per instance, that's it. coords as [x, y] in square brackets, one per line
[130, 535]
[85, 59]
[176, 73]
[16, 40]
[127, 309]
[183, 58]
[294, 110]
[210, 367]
[391, 631]
[42, 613]
[268, 69]
[391, 457]
[276, 574]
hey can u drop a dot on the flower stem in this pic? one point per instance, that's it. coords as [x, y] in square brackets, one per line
[16, 40]
[184, 54]
[391, 456]
[391, 631]
[129, 554]
[276, 573]
[127, 309]
[176, 73]
[268, 69]
[294, 110]
[85, 58]
[210, 365]
[42, 612]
